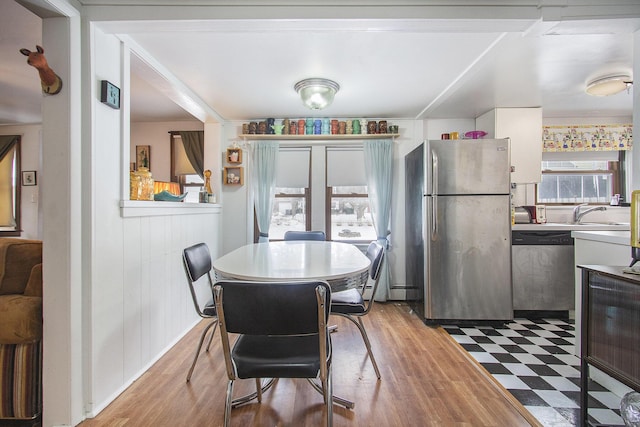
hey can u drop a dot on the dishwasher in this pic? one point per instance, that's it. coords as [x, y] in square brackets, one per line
[543, 272]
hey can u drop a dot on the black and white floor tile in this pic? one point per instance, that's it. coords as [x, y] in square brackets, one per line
[535, 361]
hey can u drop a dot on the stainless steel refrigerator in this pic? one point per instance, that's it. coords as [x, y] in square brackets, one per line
[458, 230]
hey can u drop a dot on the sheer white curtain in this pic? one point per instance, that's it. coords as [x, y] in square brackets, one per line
[378, 162]
[264, 156]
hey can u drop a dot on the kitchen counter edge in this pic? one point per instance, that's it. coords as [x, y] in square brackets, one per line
[571, 227]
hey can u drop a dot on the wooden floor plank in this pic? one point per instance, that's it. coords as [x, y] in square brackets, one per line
[427, 380]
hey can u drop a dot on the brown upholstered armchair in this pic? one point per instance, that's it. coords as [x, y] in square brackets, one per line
[20, 328]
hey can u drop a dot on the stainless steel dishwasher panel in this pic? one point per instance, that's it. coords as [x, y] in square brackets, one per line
[543, 270]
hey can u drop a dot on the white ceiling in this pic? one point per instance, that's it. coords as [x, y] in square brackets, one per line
[241, 69]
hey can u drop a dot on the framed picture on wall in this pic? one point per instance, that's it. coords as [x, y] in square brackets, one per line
[29, 178]
[143, 156]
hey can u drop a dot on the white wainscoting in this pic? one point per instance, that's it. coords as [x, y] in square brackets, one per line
[141, 305]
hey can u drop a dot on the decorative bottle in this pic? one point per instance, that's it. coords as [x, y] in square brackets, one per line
[146, 184]
[134, 186]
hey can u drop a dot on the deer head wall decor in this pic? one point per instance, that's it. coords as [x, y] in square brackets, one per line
[50, 81]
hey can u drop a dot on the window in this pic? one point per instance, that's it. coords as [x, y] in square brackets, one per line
[10, 176]
[348, 215]
[336, 202]
[583, 177]
[289, 212]
[183, 172]
[291, 209]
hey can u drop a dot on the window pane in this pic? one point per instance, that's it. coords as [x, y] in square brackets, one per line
[351, 216]
[289, 213]
[572, 188]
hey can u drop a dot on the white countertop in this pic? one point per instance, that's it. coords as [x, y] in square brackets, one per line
[586, 226]
[615, 237]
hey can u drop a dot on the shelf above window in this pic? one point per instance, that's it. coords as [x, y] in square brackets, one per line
[321, 137]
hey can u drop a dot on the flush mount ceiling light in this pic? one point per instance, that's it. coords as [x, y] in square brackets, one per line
[611, 85]
[317, 93]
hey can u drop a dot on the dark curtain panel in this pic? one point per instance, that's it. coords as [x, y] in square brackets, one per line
[6, 143]
[193, 142]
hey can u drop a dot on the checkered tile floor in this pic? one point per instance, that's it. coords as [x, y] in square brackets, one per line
[535, 361]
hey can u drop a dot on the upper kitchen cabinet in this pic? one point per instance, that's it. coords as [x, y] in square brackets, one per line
[524, 127]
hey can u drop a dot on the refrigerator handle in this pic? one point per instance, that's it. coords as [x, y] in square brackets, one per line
[434, 193]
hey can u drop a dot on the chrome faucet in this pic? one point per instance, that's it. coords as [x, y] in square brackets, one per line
[577, 214]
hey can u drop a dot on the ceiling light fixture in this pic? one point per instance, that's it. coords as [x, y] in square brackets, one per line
[611, 85]
[317, 93]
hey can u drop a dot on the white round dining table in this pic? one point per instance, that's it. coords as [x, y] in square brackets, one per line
[342, 265]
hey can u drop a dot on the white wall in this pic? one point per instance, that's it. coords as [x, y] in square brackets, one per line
[30, 160]
[62, 185]
[136, 299]
[436, 127]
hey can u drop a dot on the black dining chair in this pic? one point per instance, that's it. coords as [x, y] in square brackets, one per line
[282, 333]
[197, 263]
[304, 235]
[351, 305]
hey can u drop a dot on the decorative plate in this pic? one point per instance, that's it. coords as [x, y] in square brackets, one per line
[165, 196]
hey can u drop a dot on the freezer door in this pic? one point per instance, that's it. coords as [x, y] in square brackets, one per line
[468, 254]
[468, 166]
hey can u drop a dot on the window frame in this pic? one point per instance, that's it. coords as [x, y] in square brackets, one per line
[615, 168]
[17, 231]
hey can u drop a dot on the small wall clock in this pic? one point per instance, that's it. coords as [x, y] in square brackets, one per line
[110, 94]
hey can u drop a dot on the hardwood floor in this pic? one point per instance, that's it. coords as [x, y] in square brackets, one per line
[427, 380]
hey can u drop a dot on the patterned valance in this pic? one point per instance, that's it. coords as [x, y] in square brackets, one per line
[587, 137]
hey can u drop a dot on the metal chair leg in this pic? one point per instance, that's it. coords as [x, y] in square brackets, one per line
[365, 338]
[211, 336]
[363, 332]
[336, 399]
[227, 404]
[262, 386]
[195, 358]
[258, 390]
[328, 398]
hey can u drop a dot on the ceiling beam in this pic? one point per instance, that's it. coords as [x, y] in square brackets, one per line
[159, 76]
